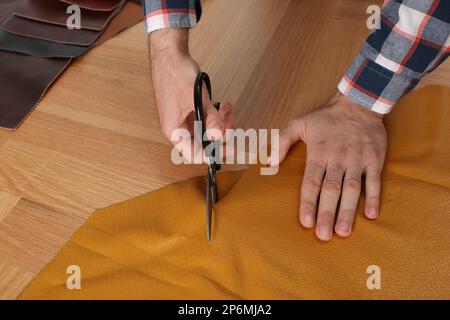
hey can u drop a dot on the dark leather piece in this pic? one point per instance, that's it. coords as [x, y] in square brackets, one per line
[99, 5]
[6, 7]
[23, 82]
[46, 31]
[25, 79]
[54, 12]
[49, 49]
[37, 47]
[130, 15]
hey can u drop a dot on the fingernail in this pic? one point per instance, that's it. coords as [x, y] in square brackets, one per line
[344, 227]
[372, 213]
[324, 232]
[307, 221]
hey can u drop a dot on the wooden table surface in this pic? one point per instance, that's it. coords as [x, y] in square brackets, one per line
[94, 140]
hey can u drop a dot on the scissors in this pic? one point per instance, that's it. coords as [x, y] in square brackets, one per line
[212, 195]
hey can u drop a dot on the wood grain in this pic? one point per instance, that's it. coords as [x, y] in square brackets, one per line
[32, 234]
[7, 203]
[95, 140]
[13, 280]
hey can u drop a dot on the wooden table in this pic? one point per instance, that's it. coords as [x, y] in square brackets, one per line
[94, 140]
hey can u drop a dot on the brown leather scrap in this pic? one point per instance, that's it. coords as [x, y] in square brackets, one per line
[99, 5]
[24, 79]
[46, 31]
[55, 12]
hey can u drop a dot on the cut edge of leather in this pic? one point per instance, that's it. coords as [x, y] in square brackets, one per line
[40, 98]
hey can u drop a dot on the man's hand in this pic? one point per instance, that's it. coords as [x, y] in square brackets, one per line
[344, 142]
[174, 73]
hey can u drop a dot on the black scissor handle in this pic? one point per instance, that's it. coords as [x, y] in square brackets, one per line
[203, 79]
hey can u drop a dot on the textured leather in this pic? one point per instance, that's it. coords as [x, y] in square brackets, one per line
[99, 5]
[37, 47]
[23, 82]
[54, 12]
[130, 15]
[6, 7]
[154, 246]
[25, 79]
[46, 31]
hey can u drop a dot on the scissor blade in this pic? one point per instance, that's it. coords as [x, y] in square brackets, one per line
[209, 205]
[213, 184]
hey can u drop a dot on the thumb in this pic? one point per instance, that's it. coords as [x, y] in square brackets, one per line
[288, 137]
[215, 127]
[227, 116]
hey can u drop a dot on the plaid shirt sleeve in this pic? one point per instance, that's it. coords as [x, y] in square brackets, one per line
[413, 39]
[160, 14]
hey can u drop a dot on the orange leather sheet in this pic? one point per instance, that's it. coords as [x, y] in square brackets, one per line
[154, 246]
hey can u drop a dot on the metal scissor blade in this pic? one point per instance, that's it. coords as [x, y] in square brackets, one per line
[209, 206]
[213, 182]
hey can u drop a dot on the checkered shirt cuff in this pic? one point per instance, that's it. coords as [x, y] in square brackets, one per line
[161, 14]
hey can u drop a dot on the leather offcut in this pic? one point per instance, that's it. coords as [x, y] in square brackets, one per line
[98, 5]
[46, 31]
[23, 82]
[23, 79]
[29, 65]
[55, 12]
[37, 47]
[6, 8]
[130, 15]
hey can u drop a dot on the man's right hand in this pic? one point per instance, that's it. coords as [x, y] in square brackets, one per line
[174, 73]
